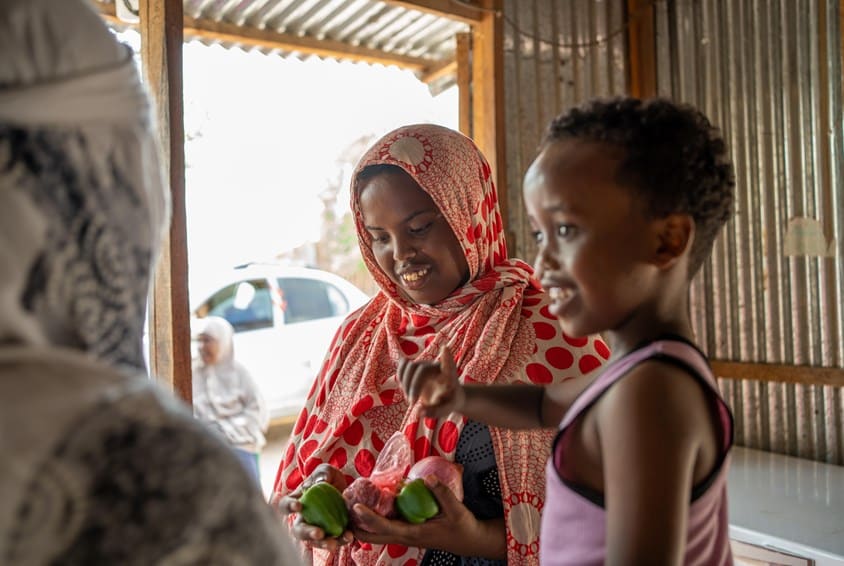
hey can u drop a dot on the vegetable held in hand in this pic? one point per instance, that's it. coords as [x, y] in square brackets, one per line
[387, 484]
[378, 491]
[323, 506]
[366, 492]
[416, 503]
[447, 472]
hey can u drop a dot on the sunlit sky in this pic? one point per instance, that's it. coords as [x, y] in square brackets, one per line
[264, 135]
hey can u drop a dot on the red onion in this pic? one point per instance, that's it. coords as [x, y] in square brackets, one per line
[378, 491]
[362, 490]
[446, 471]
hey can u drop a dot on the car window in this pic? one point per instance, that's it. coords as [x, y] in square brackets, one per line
[310, 299]
[337, 299]
[247, 305]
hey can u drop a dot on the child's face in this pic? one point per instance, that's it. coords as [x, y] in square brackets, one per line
[594, 240]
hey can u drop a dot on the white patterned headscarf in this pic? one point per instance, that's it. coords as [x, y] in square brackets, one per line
[82, 204]
[99, 466]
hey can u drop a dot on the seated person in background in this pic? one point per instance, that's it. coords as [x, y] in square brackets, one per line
[431, 235]
[224, 395]
[99, 465]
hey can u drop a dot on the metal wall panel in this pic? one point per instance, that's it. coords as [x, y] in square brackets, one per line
[768, 73]
[557, 54]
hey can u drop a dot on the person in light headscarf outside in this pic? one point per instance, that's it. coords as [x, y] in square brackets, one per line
[224, 395]
[431, 235]
[99, 465]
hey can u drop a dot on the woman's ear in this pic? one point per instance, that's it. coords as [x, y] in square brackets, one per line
[675, 234]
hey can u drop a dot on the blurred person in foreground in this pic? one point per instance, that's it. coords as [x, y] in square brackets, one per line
[100, 465]
[225, 396]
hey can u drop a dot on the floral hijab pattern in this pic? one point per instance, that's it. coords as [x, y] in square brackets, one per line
[497, 325]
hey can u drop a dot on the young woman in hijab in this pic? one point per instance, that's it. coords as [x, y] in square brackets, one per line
[431, 234]
[224, 395]
[99, 465]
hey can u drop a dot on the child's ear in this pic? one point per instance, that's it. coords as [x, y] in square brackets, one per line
[675, 234]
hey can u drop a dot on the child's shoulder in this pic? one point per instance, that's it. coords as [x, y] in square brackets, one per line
[670, 363]
[658, 376]
[662, 373]
[660, 354]
[661, 390]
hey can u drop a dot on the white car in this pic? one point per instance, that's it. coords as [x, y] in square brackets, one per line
[284, 319]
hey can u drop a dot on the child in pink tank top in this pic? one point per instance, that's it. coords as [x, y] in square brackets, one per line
[626, 198]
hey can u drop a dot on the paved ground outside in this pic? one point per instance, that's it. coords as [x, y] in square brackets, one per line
[273, 451]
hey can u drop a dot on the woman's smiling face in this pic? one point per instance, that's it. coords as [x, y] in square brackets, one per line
[410, 238]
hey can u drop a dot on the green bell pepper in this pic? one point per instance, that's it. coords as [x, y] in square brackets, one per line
[416, 503]
[323, 506]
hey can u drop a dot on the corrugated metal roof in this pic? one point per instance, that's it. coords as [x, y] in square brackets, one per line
[361, 30]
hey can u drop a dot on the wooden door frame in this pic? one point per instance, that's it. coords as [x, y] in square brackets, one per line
[161, 25]
[162, 34]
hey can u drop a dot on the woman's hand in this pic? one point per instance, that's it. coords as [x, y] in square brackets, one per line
[454, 529]
[434, 384]
[289, 504]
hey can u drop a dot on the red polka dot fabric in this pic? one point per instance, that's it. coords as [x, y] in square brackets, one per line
[497, 325]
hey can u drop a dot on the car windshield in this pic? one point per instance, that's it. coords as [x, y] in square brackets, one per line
[310, 299]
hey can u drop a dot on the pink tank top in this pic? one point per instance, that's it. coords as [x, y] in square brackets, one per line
[573, 520]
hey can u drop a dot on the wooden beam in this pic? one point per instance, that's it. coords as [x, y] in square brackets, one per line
[251, 37]
[248, 37]
[488, 99]
[439, 71]
[108, 13]
[169, 329]
[641, 48]
[460, 11]
[464, 82]
[780, 373]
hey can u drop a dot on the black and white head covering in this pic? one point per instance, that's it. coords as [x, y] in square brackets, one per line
[82, 203]
[98, 465]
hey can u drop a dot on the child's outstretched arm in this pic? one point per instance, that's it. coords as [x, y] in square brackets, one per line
[435, 385]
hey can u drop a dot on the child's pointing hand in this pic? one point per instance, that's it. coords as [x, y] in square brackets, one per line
[433, 384]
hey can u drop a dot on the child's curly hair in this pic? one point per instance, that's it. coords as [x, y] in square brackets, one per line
[673, 157]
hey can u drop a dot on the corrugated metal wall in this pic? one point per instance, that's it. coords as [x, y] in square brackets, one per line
[557, 54]
[769, 74]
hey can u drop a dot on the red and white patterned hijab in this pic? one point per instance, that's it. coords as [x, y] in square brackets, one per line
[497, 325]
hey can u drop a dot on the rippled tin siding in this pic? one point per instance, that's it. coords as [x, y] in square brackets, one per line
[769, 74]
[546, 73]
[366, 23]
